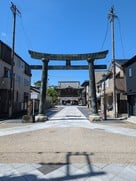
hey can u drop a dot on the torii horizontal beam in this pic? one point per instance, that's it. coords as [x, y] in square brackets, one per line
[63, 57]
[63, 67]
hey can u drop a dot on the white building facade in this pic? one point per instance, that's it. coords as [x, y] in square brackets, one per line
[21, 80]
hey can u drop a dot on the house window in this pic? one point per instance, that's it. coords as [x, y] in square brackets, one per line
[7, 72]
[130, 72]
[19, 79]
[107, 83]
[18, 63]
[26, 82]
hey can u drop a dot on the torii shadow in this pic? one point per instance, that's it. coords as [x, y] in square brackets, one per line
[85, 171]
[80, 172]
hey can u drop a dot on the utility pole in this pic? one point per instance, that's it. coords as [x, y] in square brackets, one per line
[112, 16]
[14, 11]
[104, 97]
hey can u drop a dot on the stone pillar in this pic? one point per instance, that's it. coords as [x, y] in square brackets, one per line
[41, 116]
[92, 88]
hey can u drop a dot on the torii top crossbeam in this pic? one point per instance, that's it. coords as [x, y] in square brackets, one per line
[86, 56]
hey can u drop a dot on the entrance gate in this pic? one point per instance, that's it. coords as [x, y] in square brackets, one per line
[90, 57]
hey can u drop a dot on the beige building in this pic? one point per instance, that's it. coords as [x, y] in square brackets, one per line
[21, 81]
[106, 90]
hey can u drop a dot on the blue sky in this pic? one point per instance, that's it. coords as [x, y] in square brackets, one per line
[69, 26]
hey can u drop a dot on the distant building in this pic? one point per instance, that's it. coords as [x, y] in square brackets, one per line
[35, 95]
[85, 93]
[69, 92]
[21, 81]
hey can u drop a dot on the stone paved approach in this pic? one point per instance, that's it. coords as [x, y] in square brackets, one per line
[70, 116]
[67, 118]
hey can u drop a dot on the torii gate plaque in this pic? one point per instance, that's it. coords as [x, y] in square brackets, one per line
[45, 57]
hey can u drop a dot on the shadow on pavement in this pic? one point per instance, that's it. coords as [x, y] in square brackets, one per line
[86, 112]
[66, 118]
[70, 172]
[51, 111]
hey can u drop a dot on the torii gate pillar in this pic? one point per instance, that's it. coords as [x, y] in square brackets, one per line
[92, 96]
[92, 87]
[41, 115]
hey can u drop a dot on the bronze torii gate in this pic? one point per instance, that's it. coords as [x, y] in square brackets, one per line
[45, 57]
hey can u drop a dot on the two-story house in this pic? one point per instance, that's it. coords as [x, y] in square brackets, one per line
[130, 74]
[21, 80]
[106, 88]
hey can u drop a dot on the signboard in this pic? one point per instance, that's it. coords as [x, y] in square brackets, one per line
[34, 95]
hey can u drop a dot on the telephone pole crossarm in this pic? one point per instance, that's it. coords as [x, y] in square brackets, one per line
[14, 9]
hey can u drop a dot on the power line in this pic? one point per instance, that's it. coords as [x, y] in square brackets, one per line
[105, 37]
[123, 51]
[27, 39]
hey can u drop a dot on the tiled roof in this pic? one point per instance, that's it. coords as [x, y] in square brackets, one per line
[121, 61]
[66, 84]
[130, 61]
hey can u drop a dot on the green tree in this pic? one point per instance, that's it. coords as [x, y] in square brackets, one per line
[53, 93]
[38, 83]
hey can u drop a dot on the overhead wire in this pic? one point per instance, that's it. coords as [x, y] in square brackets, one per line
[26, 37]
[27, 40]
[120, 34]
[105, 36]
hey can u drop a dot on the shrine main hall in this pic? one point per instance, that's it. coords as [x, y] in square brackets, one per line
[69, 92]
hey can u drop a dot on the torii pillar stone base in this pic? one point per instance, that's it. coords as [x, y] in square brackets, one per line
[41, 118]
[95, 117]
